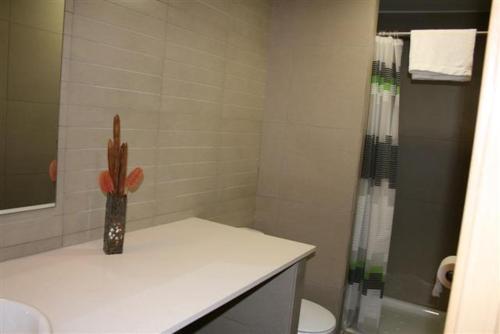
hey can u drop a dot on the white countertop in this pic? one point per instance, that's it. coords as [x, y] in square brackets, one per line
[167, 277]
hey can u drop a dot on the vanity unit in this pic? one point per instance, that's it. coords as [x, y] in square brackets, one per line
[190, 276]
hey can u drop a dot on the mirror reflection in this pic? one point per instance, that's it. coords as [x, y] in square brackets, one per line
[30, 73]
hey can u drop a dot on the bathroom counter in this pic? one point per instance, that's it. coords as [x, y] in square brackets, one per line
[168, 277]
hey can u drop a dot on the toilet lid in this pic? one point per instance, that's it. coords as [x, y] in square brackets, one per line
[315, 318]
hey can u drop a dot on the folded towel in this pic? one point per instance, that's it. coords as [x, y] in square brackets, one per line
[442, 54]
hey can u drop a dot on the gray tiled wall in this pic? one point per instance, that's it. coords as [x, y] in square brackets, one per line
[188, 79]
[320, 60]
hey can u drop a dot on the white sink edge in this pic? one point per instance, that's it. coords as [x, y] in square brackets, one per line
[44, 326]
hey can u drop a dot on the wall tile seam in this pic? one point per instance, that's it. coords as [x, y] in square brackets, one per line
[97, 148]
[257, 110]
[61, 143]
[142, 13]
[224, 57]
[168, 77]
[156, 157]
[120, 69]
[146, 55]
[307, 203]
[191, 48]
[31, 27]
[7, 248]
[55, 235]
[200, 178]
[188, 99]
[202, 34]
[330, 45]
[247, 49]
[192, 65]
[135, 13]
[115, 26]
[259, 27]
[249, 94]
[261, 82]
[72, 125]
[208, 132]
[203, 2]
[58, 244]
[74, 82]
[229, 14]
[211, 190]
[226, 12]
[240, 91]
[100, 107]
[361, 129]
[126, 131]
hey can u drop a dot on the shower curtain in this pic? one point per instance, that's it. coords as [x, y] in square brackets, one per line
[376, 194]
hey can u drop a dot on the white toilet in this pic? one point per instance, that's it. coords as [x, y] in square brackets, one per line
[314, 318]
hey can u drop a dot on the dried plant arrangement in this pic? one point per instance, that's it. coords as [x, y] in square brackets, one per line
[115, 183]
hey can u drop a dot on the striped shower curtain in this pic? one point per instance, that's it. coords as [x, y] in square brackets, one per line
[376, 194]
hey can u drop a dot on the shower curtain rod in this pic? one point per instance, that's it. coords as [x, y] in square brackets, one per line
[407, 33]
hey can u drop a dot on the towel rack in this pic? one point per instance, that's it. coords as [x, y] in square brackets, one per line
[407, 33]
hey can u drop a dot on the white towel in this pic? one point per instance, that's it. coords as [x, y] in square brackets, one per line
[442, 54]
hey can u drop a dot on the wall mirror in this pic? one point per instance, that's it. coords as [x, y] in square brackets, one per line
[30, 75]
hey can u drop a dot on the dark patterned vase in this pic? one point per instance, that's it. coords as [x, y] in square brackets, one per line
[114, 224]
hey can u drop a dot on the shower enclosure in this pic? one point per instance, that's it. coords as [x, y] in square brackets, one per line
[436, 130]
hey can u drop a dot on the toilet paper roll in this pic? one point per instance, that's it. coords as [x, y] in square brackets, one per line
[446, 266]
[444, 275]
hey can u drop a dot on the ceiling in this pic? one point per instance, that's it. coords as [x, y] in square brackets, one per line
[435, 5]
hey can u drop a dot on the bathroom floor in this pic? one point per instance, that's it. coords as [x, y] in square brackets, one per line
[407, 318]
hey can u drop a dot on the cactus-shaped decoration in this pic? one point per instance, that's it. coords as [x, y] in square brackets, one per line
[115, 183]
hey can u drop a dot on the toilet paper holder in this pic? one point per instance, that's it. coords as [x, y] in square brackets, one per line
[449, 275]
